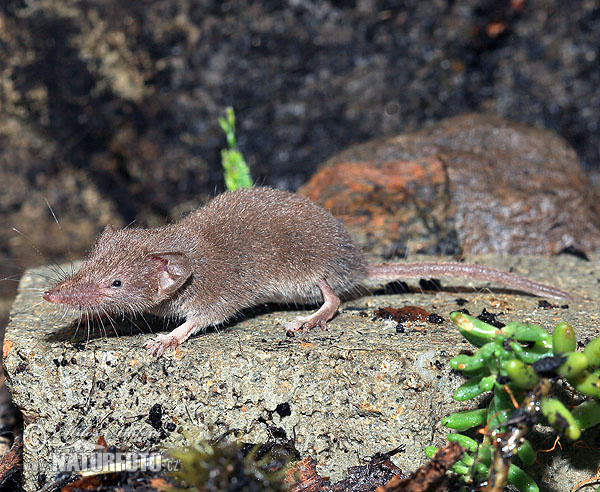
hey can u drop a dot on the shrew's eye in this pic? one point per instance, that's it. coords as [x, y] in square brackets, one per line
[117, 283]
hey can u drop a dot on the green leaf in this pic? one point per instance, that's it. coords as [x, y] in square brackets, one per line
[526, 453]
[521, 480]
[237, 172]
[575, 364]
[587, 414]
[469, 363]
[521, 374]
[474, 330]
[587, 383]
[462, 421]
[563, 338]
[592, 352]
[524, 332]
[465, 441]
[560, 418]
[468, 390]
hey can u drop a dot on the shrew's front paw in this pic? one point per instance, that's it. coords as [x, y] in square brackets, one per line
[158, 345]
[171, 340]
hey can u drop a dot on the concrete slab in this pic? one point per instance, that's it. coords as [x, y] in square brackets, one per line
[343, 394]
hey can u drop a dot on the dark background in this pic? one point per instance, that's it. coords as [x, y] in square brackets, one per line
[109, 109]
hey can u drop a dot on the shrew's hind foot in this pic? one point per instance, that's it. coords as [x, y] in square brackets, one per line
[331, 304]
[171, 340]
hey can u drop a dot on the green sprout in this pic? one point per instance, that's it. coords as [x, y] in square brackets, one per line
[518, 364]
[237, 172]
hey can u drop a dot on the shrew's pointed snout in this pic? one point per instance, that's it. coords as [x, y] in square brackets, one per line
[78, 294]
[56, 295]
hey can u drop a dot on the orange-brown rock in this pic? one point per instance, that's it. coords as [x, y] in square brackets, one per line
[469, 184]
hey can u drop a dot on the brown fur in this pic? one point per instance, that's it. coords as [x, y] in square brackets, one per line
[247, 247]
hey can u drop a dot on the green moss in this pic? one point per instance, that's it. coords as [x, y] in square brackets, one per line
[226, 467]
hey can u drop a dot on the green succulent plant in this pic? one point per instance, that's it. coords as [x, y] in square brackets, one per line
[518, 364]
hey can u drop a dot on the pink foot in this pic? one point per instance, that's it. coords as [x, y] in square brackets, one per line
[161, 343]
[331, 304]
[171, 340]
[305, 324]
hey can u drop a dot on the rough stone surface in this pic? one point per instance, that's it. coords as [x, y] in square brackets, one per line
[470, 184]
[353, 390]
[122, 98]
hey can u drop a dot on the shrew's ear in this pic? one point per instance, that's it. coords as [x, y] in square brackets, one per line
[174, 268]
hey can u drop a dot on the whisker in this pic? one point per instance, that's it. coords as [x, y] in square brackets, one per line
[56, 268]
[78, 323]
[130, 224]
[87, 316]
[36, 304]
[61, 230]
[64, 314]
[135, 324]
[101, 327]
[110, 320]
[147, 324]
[19, 275]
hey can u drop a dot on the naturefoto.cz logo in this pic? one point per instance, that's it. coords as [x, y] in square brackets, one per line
[106, 462]
[95, 460]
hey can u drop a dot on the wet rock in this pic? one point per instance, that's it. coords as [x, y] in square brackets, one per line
[349, 392]
[469, 184]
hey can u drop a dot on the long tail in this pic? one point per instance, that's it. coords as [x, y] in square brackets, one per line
[463, 270]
